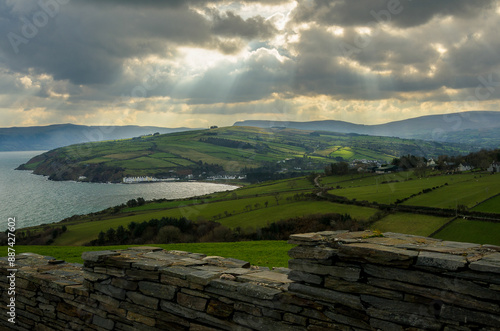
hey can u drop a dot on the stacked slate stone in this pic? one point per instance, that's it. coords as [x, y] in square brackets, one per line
[147, 288]
[336, 281]
[48, 294]
[371, 281]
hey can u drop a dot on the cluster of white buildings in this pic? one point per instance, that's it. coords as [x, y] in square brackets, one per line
[145, 179]
[226, 177]
[494, 167]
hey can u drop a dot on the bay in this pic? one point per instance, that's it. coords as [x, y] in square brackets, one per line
[34, 200]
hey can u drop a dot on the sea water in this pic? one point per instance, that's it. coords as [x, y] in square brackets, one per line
[34, 200]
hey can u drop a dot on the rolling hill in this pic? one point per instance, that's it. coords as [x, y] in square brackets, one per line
[233, 150]
[40, 138]
[479, 128]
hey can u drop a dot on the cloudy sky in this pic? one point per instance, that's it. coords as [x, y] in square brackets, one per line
[213, 62]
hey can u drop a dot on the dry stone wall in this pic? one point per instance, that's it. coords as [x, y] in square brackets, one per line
[335, 281]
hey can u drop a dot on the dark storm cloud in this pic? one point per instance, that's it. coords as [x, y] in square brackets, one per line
[231, 25]
[88, 44]
[402, 13]
[174, 3]
[384, 63]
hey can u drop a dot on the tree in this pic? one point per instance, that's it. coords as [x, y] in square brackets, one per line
[132, 203]
[101, 238]
[168, 234]
[421, 170]
[111, 235]
[339, 168]
[277, 197]
[121, 234]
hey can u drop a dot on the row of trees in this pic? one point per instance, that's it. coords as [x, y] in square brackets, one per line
[175, 230]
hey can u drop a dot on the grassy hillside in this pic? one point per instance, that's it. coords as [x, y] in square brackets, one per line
[257, 206]
[387, 189]
[420, 225]
[224, 150]
[471, 231]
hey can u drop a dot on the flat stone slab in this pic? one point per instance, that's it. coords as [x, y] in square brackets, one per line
[265, 276]
[151, 265]
[380, 254]
[441, 261]
[489, 263]
[145, 249]
[226, 262]
[319, 253]
[98, 256]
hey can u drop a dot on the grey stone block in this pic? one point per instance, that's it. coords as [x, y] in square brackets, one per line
[263, 323]
[378, 254]
[441, 261]
[111, 290]
[318, 253]
[361, 288]
[489, 263]
[256, 291]
[427, 279]
[300, 276]
[322, 294]
[98, 256]
[226, 262]
[201, 277]
[143, 300]
[103, 322]
[156, 290]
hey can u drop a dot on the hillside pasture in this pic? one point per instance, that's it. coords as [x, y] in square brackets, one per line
[390, 192]
[419, 225]
[83, 232]
[479, 232]
[468, 193]
[491, 205]
[265, 216]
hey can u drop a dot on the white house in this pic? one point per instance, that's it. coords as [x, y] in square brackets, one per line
[494, 167]
[464, 167]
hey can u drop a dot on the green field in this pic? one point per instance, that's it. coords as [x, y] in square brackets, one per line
[471, 231]
[242, 212]
[260, 253]
[366, 179]
[265, 216]
[286, 185]
[258, 205]
[419, 225]
[233, 148]
[489, 206]
[388, 193]
[468, 193]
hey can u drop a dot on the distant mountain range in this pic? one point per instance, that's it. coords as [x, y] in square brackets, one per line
[477, 128]
[37, 138]
[480, 128]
